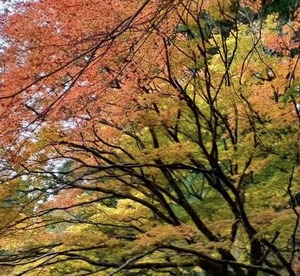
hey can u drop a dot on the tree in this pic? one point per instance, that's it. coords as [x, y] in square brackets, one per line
[150, 137]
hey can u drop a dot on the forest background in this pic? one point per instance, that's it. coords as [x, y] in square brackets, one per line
[149, 137]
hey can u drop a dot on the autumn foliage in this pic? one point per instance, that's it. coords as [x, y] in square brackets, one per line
[148, 137]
